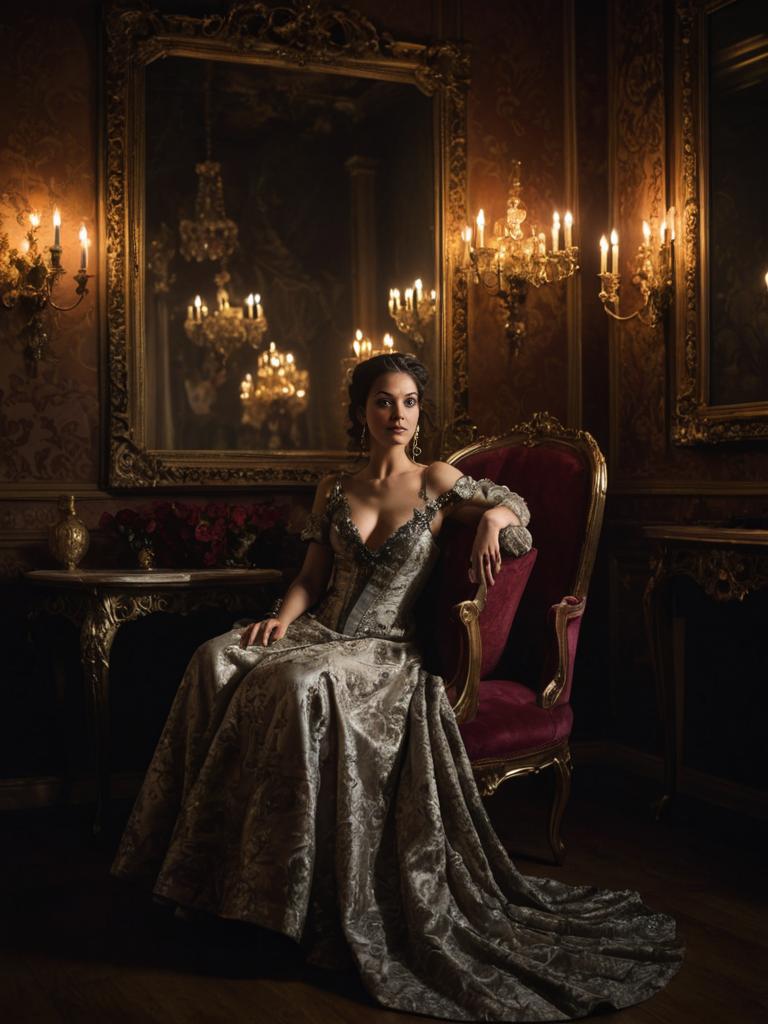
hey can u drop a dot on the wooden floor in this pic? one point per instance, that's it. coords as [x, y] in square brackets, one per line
[78, 947]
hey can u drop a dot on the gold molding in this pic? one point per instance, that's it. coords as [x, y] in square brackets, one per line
[314, 36]
[694, 420]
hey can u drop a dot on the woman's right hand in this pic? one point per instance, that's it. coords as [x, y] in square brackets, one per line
[263, 633]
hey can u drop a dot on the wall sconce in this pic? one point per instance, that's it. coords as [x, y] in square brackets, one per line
[414, 312]
[27, 283]
[653, 272]
[512, 260]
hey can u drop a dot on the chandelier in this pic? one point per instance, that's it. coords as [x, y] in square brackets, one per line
[511, 260]
[362, 349]
[279, 385]
[211, 235]
[228, 327]
[652, 274]
[414, 312]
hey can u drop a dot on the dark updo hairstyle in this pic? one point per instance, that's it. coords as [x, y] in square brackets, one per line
[362, 380]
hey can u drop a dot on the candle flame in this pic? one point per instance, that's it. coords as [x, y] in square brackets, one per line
[466, 234]
[56, 218]
[568, 219]
[614, 237]
[198, 302]
[417, 284]
[83, 235]
[555, 218]
[646, 231]
[604, 244]
[358, 335]
[389, 341]
[481, 219]
[34, 220]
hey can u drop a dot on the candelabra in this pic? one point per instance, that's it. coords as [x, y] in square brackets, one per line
[414, 312]
[362, 349]
[653, 273]
[280, 388]
[28, 284]
[228, 327]
[513, 260]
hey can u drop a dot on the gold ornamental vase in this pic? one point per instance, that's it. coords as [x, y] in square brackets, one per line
[68, 538]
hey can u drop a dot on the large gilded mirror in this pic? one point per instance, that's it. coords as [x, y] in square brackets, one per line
[272, 175]
[722, 277]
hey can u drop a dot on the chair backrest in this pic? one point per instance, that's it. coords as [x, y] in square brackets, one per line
[561, 473]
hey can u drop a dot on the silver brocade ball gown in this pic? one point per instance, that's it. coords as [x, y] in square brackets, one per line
[320, 788]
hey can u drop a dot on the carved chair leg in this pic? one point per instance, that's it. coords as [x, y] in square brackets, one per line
[562, 766]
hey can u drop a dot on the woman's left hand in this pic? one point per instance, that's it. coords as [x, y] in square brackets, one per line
[486, 554]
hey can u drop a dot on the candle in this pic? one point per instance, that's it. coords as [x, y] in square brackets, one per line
[466, 235]
[391, 302]
[83, 235]
[57, 228]
[289, 357]
[34, 220]
[259, 309]
[542, 244]
[614, 252]
[417, 289]
[568, 224]
[556, 232]
[663, 232]
[389, 342]
[433, 294]
[198, 308]
[603, 255]
[396, 296]
[480, 230]
[190, 312]
[249, 304]
[357, 343]
[646, 233]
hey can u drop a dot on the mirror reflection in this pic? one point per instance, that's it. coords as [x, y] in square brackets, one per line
[282, 208]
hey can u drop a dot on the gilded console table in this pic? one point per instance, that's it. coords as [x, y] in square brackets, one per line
[100, 602]
[727, 563]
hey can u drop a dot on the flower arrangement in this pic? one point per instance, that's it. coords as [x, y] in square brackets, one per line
[180, 535]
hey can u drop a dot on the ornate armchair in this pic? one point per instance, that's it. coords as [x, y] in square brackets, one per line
[515, 664]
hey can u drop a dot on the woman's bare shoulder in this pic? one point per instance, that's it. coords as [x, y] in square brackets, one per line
[441, 476]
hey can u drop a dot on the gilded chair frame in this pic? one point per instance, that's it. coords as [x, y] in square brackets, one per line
[541, 429]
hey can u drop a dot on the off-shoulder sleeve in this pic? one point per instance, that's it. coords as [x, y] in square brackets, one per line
[316, 527]
[513, 540]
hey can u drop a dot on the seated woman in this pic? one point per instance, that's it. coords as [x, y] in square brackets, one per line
[311, 777]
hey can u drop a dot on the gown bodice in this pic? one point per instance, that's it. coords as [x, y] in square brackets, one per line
[373, 592]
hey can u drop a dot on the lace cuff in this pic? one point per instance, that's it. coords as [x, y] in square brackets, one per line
[513, 540]
[316, 528]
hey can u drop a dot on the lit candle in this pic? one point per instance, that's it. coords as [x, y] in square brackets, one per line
[190, 312]
[83, 235]
[614, 252]
[409, 298]
[57, 228]
[480, 230]
[198, 308]
[646, 233]
[556, 232]
[289, 357]
[603, 255]
[259, 309]
[249, 307]
[357, 344]
[396, 295]
[391, 303]
[663, 231]
[568, 225]
[466, 235]
[433, 294]
[417, 290]
[34, 220]
[389, 342]
[25, 245]
[542, 244]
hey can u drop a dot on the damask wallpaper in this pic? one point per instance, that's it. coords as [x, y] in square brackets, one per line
[577, 93]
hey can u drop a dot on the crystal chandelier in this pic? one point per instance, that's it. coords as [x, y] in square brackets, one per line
[228, 327]
[278, 384]
[414, 312]
[211, 235]
[511, 260]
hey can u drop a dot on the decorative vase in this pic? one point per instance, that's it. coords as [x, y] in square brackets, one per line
[68, 538]
[146, 557]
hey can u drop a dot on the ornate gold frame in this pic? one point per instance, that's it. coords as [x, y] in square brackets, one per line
[308, 34]
[695, 421]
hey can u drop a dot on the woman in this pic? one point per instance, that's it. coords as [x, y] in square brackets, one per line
[311, 778]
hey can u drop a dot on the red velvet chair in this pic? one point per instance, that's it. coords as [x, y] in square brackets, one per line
[516, 664]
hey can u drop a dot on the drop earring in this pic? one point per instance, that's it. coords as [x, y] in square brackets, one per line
[415, 450]
[363, 434]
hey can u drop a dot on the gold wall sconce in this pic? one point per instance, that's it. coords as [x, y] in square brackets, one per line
[27, 283]
[653, 272]
[511, 260]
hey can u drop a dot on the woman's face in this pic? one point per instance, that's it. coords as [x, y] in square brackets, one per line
[392, 409]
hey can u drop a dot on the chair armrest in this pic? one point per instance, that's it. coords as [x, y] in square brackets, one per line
[466, 678]
[565, 618]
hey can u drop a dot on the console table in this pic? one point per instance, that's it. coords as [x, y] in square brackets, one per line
[100, 602]
[727, 563]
